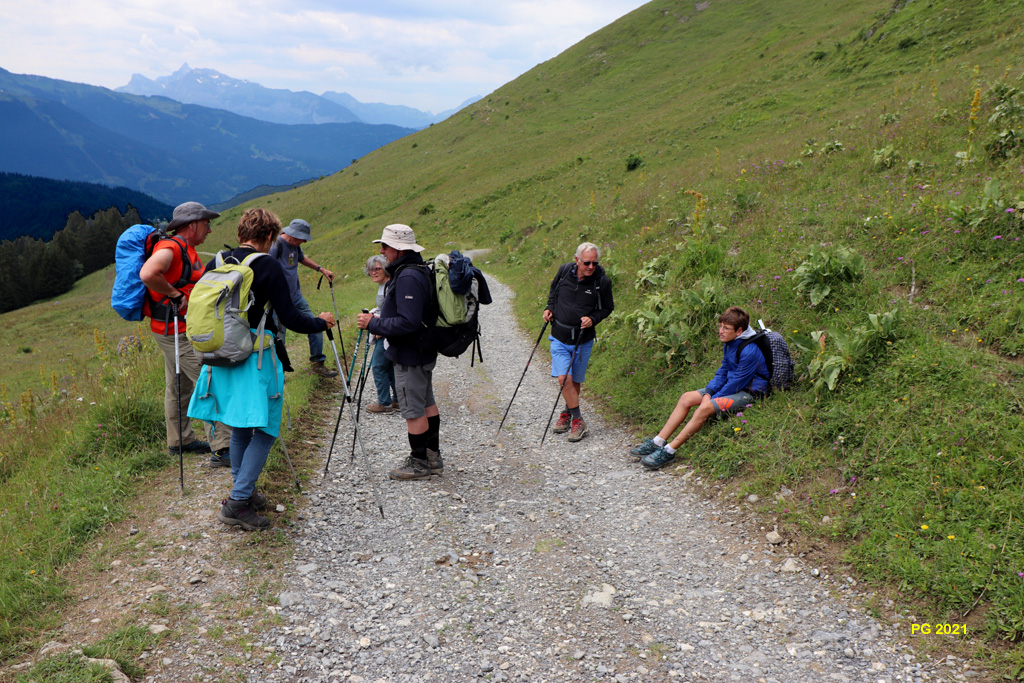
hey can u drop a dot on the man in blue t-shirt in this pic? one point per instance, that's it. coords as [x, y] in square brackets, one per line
[288, 250]
[733, 389]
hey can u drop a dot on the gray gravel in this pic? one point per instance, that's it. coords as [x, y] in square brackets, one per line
[567, 563]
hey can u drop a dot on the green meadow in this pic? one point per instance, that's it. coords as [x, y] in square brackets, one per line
[849, 172]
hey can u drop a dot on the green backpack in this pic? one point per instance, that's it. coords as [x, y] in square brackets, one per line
[218, 324]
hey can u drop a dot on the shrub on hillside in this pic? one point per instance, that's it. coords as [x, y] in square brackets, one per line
[826, 268]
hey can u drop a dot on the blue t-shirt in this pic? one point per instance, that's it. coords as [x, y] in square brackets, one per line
[289, 257]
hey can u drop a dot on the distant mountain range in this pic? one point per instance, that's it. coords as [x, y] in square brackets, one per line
[174, 152]
[210, 88]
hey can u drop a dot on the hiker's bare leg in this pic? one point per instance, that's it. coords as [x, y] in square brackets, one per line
[570, 392]
[705, 410]
[688, 400]
[419, 425]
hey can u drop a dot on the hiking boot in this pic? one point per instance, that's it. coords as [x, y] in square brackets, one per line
[412, 468]
[378, 408]
[220, 459]
[259, 500]
[579, 429]
[435, 463]
[563, 424]
[242, 513]
[657, 459]
[646, 447]
[394, 404]
[196, 446]
[318, 368]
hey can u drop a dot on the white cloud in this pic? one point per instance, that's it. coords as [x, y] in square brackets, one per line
[427, 55]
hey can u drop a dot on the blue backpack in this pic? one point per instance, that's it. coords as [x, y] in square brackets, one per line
[134, 246]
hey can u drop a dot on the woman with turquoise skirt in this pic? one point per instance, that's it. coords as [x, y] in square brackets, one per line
[248, 397]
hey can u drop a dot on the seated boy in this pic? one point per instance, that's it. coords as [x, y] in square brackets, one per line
[731, 390]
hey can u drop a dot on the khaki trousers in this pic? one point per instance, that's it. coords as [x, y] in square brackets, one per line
[220, 435]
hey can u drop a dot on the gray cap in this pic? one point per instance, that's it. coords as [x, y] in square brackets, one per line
[299, 229]
[188, 212]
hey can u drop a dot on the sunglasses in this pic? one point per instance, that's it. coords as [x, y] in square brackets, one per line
[589, 263]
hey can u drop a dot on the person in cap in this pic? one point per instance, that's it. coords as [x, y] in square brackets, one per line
[288, 251]
[403, 316]
[579, 298]
[169, 275]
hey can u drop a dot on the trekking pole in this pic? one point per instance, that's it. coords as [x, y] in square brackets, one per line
[565, 379]
[177, 394]
[284, 447]
[528, 360]
[359, 434]
[359, 392]
[355, 353]
[341, 339]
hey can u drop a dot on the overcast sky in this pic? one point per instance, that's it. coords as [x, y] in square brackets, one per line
[428, 54]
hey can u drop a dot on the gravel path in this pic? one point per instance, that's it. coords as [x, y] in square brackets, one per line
[567, 563]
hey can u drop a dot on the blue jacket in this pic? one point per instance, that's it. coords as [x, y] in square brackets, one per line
[750, 374]
[403, 317]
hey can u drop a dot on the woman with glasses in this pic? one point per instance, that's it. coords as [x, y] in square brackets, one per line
[383, 368]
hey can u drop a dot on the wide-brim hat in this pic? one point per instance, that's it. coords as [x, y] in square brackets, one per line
[188, 212]
[400, 237]
[299, 229]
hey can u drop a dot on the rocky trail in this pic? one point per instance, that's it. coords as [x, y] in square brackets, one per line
[567, 562]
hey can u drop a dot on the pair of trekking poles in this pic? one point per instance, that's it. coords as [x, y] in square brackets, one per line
[353, 414]
[561, 387]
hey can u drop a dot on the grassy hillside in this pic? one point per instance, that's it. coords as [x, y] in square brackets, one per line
[776, 148]
[863, 156]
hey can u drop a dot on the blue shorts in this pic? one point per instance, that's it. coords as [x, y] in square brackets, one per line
[560, 355]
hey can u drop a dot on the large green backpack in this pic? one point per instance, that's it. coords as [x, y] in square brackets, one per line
[218, 324]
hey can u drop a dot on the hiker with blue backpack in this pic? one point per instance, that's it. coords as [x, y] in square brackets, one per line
[247, 391]
[744, 376]
[404, 321]
[579, 298]
[169, 274]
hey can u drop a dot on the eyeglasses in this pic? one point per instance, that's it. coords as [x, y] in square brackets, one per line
[727, 328]
[376, 269]
[588, 263]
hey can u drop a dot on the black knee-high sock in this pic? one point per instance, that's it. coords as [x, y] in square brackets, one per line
[418, 444]
[434, 433]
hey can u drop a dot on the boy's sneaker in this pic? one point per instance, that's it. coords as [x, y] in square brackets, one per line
[563, 424]
[412, 468]
[435, 463]
[646, 447]
[242, 513]
[579, 429]
[220, 459]
[657, 459]
[378, 408]
[196, 446]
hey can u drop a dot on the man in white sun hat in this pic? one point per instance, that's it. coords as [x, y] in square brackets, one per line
[402, 320]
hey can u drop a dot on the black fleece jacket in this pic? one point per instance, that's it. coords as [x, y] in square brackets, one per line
[571, 299]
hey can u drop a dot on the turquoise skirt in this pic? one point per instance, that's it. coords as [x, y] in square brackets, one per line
[244, 395]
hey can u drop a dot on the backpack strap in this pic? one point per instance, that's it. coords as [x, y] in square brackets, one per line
[756, 340]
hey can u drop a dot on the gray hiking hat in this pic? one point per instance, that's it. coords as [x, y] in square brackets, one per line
[188, 212]
[400, 237]
[299, 229]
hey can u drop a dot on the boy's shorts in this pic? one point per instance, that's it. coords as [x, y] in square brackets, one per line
[726, 406]
[560, 355]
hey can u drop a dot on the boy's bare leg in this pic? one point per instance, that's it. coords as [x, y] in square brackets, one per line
[688, 400]
[705, 410]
